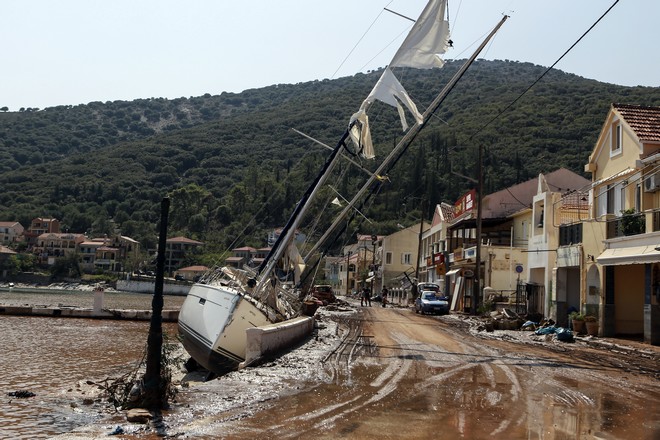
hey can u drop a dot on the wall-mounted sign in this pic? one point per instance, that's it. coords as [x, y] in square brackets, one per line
[465, 203]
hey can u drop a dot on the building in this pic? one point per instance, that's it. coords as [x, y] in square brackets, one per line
[515, 243]
[50, 246]
[11, 232]
[87, 250]
[620, 242]
[191, 273]
[178, 250]
[273, 235]
[240, 256]
[554, 207]
[433, 265]
[5, 254]
[109, 253]
[400, 256]
[39, 226]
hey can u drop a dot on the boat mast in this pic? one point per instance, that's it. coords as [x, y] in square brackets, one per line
[408, 137]
[288, 232]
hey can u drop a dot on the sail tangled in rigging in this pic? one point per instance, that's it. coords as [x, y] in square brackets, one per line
[422, 49]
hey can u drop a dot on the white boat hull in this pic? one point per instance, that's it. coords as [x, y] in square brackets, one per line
[212, 323]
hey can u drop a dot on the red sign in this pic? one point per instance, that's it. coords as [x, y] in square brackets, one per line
[465, 203]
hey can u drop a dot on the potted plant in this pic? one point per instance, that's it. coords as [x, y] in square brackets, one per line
[591, 323]
[577, 322]
[632, 222]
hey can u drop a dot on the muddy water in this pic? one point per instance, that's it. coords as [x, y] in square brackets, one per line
[52, 356]
[411, 377]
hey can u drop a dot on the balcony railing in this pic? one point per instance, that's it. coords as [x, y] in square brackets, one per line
[626, 225]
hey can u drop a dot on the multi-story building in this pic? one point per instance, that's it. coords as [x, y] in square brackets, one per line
[620, 242]
[11, 232]
[400, 256]
[52, 245]
[108, 253]
[433, 265]
[177, 249]
[5, 254]
[515, 245]
[40, 226]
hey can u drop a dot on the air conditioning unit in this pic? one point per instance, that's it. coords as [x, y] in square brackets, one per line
[652, 183]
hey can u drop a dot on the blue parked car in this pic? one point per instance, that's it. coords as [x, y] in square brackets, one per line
[428, 302]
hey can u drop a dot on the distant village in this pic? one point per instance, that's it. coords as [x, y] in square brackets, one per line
[556, 246]
[115, 254]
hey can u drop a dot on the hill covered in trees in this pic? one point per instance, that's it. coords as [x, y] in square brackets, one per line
[234, 167]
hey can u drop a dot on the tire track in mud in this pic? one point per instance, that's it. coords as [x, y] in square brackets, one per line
[341, 362]
[391, 357]
[493, 399]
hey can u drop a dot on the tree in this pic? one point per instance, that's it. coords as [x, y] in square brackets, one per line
[67, 266]
[190, 207]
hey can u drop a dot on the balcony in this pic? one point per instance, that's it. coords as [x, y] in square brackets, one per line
[626, 225]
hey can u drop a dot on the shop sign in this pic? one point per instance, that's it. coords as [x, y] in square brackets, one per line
[465, 203]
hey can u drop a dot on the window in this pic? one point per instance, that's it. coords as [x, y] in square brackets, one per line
[616, 142]
[610, 199]
[388, 257]
[406, 258]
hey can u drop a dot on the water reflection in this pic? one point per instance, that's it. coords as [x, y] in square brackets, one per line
[50, 356]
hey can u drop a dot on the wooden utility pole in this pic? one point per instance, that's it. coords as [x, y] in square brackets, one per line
[419, 248]
[476, 293]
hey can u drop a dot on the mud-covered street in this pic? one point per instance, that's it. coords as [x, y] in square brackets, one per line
[389, 373]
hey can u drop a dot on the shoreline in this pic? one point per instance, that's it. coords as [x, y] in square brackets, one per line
[61, 286]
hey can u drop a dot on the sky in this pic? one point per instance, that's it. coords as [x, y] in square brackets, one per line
[71, 52]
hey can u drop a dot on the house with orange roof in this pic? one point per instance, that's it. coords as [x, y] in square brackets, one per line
[191, 273]
[620, 242]
[178, 250]
[41, 225]
[51, 245]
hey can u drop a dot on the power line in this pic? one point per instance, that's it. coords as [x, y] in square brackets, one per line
[544, 73]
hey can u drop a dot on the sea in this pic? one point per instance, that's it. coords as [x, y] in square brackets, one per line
[52, 357]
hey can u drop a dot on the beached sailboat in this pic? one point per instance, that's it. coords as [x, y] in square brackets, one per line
[218, 310]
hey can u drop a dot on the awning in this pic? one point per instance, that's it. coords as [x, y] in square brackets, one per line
[452, 272]
[630, 255]
[370, 279]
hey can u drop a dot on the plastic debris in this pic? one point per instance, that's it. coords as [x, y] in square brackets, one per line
[118, 430]
[561, 333]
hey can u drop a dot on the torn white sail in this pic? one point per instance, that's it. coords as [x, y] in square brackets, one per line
[389, 90]
[426, 41]
[295, 261]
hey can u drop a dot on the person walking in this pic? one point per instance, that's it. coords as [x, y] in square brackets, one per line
[366, 297]
[383, 295]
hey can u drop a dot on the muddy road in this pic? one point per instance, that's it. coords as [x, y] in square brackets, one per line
[394, 374]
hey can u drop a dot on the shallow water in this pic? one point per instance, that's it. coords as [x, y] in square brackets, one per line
[52, 356]
[112, 300]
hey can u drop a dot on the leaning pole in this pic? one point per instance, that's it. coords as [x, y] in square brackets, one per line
[154, 395]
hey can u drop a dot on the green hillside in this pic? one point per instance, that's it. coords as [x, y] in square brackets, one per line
[234, 166]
